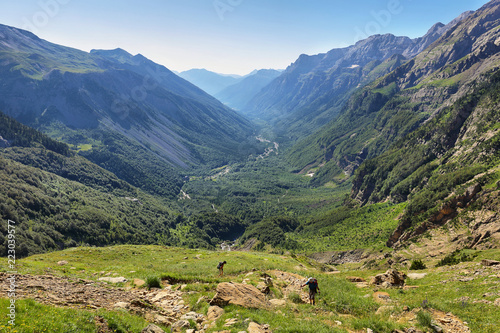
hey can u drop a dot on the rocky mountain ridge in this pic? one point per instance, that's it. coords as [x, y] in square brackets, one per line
[312, 91]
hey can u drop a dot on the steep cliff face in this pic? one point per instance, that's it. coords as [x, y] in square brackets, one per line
[399, 103]
[312, 91]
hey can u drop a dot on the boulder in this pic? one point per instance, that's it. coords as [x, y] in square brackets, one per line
[151, 328]
[256, 328]
[239, 294]
[277, 302]
[391, 278]
[214, 313]
[487, 262]
[62, 262]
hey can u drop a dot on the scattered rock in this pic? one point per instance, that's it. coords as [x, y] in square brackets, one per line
[277, 302]
[391, 278]
[121, 305]
[416, 276]
[382, 297]
[355, 279]
[497, 302]
[436, 328]
[263, 287]
[410, 287]
[231, 322]
[466, 279]
[487, 262]
[239, 294]
[196, 317]
[179, 325]
[120, 279]
[214, 313]
[139, 282]
[151, 328]
[62, 262]
[256, 328]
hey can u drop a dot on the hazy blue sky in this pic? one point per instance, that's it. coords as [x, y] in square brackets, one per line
[226, 36]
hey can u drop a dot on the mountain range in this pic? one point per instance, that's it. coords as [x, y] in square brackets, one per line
[111, 98]
[233, 90]
[399, 132]
[312, 90]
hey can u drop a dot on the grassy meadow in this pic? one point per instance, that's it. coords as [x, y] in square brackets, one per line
[340, 301]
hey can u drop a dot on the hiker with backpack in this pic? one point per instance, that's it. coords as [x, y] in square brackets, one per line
[220, 267]
[313, 289]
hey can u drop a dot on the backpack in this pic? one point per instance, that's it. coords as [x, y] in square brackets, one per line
[219, 265]
[313, 284]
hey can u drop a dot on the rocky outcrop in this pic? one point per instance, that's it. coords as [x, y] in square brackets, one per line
[151, 328]
[448, 211]
[239, 294]
[487, 262]
[389, 279]
[3, 143]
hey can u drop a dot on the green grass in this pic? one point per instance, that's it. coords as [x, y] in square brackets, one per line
[84, 147]
[339, 300]
[33, 317]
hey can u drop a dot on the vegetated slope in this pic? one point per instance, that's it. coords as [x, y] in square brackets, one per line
[312, 91]
[209, 81]
[427, 133]
[397, 104]
[58, 200]
[448, 168]
[126, 107]
[239, 94]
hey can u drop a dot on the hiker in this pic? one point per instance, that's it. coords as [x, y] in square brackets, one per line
[313, 289]
[220, 266]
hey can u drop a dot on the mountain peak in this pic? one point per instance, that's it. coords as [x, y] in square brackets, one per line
[117, 53]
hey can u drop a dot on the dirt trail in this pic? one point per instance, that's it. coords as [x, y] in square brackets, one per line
[164, 306]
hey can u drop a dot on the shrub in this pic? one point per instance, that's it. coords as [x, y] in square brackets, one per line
[417, 265]
[454, 258]
[153, 282]
[424, 319]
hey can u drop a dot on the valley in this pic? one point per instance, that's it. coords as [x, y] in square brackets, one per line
[374, 168]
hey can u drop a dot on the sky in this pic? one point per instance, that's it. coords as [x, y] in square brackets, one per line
[225, 36]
